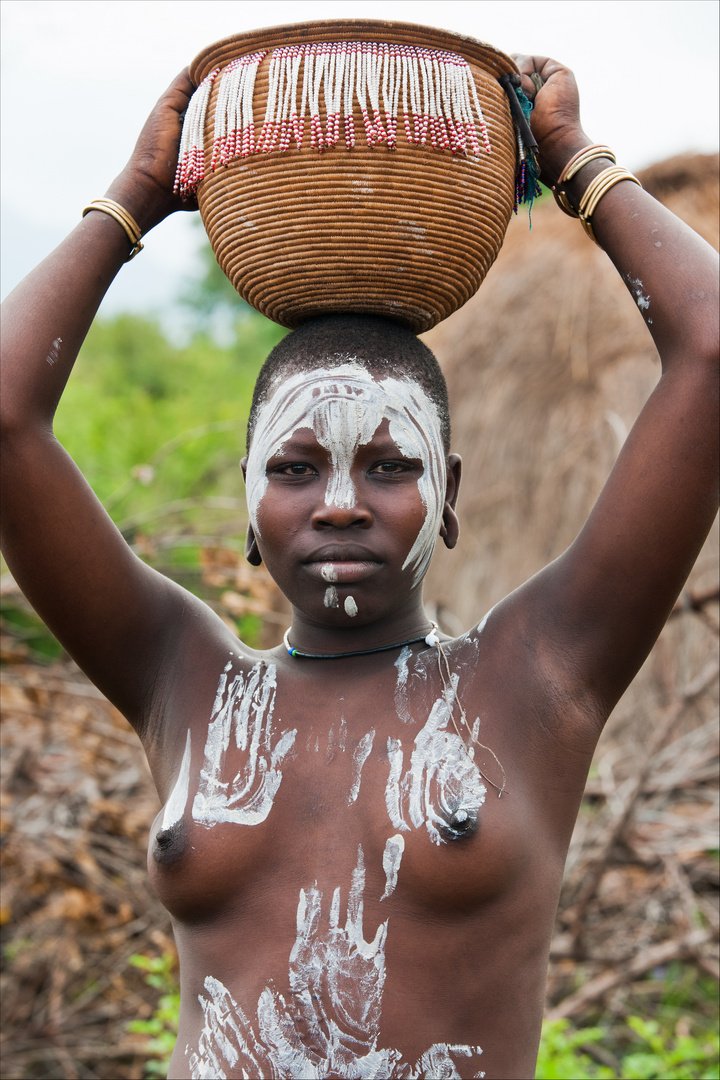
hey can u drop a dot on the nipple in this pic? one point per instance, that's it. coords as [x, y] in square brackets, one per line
[461, 823]
[170, 844]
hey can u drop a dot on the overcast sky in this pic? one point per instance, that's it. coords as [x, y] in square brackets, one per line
[79, 78]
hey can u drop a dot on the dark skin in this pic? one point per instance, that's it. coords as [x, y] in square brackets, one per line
[470, 919]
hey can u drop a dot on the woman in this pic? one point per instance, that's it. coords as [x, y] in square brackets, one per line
[350, 896]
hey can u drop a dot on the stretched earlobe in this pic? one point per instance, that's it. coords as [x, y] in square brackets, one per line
[252, 553]
[450, 527]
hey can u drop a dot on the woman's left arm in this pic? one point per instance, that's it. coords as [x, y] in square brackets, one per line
[606, 599]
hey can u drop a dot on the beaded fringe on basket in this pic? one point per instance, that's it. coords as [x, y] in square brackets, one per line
[434, 90]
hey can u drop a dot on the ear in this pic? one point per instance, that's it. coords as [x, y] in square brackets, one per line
[252, 552]
[450, 527]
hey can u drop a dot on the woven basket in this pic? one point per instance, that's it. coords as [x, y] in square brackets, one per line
[408, 233]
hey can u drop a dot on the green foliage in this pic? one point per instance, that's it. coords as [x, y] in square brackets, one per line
[561, 1055]
[28, 632]
[644, 1050]
[681, 1057]
[163, 1025]
[133, 393]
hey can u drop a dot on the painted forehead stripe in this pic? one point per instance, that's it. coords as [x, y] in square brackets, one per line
[327, 388]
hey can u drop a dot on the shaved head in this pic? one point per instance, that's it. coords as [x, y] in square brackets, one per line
[382, 346]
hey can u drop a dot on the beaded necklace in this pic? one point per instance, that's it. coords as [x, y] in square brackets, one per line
[429, 639]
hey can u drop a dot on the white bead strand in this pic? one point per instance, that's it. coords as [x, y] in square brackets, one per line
[350, 65]
[191, 155]
[440, 103]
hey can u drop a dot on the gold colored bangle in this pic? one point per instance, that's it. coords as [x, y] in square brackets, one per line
[596, 189]
[123, 218]
[573, 167]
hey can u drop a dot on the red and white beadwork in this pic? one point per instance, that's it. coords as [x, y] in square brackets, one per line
[434, 89]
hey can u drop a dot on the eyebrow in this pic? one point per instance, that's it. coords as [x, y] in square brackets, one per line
[304, 441]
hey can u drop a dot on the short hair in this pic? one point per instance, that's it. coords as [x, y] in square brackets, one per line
[381, 345]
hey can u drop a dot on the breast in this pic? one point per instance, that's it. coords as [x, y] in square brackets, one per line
[260, 797]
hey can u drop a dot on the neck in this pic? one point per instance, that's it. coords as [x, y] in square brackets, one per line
[306, 636]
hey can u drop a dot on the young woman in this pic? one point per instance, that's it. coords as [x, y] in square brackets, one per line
[363, 830]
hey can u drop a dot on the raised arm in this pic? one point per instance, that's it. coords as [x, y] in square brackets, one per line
[603, 603]
[111, 612]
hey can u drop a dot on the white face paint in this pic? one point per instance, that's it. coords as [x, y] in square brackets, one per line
[344, 405]
[175, 806]
[331, 597]
[350, 606]
[442, 780]
[244, 709]
[330, 1027]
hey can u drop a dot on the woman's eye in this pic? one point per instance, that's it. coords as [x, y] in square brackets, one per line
[295, 468]
[391, 468]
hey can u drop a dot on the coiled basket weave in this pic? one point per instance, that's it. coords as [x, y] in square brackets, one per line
[397, 199]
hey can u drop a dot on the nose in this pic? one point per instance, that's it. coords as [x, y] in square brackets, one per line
[341, 517]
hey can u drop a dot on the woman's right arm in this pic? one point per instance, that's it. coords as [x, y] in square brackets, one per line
[112, 613]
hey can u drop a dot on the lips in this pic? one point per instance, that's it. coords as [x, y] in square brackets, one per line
[342, 564]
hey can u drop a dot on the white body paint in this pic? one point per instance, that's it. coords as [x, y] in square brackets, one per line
[483, 622]
[441, 780]
[350, 606]
[243, 712]
[636, 286]
[54, 355]
[402, 699]
[392, 856]
[175, 806]
[344, 406]
[329, 572]
[331, 1025]
[360, 756]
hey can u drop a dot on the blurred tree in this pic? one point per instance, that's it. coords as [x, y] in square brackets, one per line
[216, 308]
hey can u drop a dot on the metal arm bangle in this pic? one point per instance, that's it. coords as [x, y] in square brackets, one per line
[123, 218]
[596, 189]
[573, 167]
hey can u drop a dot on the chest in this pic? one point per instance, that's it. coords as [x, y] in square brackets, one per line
[280, 783]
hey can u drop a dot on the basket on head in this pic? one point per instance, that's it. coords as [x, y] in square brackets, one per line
[352, 166]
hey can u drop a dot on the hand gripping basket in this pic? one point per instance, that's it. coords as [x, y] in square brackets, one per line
[352, 166]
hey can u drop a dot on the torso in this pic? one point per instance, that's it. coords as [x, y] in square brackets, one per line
[350, 896]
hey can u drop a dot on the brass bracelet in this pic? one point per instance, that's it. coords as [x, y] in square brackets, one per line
[573, 167]
[596, 189]
[123, 218]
